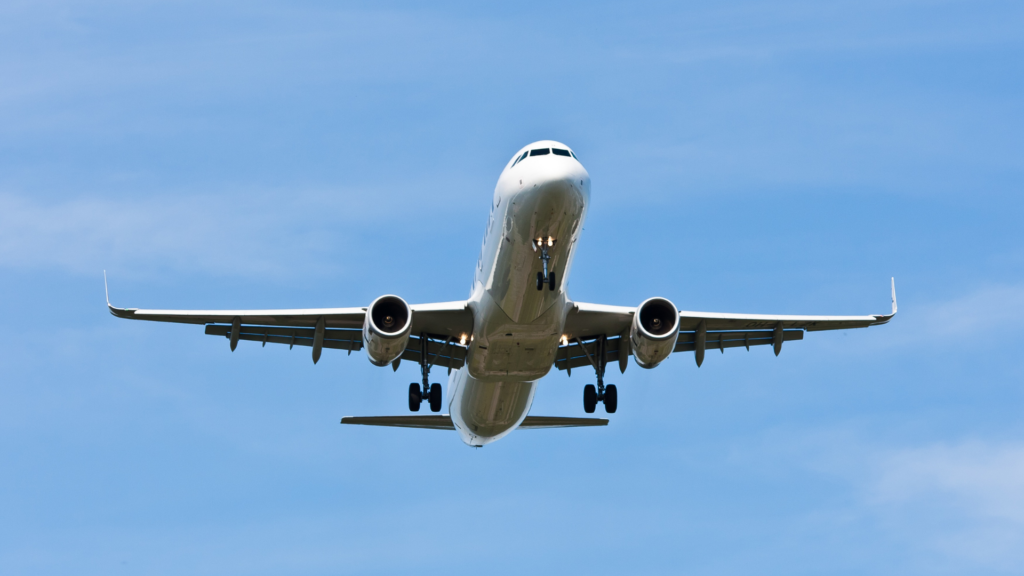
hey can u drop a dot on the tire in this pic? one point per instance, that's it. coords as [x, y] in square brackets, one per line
[415, 397]
[540, 280]
[611, 399]
[551, 281]
[589, 398]
[436, 399]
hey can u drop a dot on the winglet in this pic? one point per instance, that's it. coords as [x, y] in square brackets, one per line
[894, 296]
[119, 312]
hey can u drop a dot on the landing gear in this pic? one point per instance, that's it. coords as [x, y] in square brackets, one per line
[611, 399]
[544, 277]
[589, 398]
[435, 398]
[415, 397]
[428, 392]
[432, 396]
[608, 395]
[550, 282]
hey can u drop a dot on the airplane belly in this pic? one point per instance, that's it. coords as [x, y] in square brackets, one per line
[504, 350]
[554, 209]
[517, 326]
[486, 411]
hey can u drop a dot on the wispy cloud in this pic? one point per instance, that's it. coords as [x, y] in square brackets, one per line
[983, 311]
[987, 308]
[967, 498]
[949, 503]
[983, 479]
[220, 235]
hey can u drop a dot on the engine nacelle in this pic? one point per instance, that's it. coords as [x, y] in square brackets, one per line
[654, 331]
[386, 329]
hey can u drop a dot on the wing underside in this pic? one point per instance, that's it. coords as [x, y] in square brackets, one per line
[441, 351]
[586, 352]
[436, 328]
[597, 334]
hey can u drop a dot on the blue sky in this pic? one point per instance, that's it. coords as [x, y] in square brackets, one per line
[763, 157]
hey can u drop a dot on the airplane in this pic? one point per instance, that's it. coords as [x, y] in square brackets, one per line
[518, 322]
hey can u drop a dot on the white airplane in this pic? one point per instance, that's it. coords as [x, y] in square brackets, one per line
[518, 322]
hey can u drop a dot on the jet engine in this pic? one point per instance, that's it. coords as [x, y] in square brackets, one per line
[654, 331]
[386, 329]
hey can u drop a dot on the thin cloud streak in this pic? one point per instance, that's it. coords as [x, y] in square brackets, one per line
[981, 479]
[953, 503]
[988, 308]
[966, 498]
[225, 235]
[985, 311]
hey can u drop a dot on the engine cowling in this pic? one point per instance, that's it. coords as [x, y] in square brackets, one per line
[654, 331]
[386, 329]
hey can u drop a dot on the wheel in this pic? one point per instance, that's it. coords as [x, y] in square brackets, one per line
[540, 280]
[589, 398]
[415, 397]
[551, 280]
[611, 399]
[435, 398]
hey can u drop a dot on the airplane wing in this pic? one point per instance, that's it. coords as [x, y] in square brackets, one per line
[441, 324]
[586, 324]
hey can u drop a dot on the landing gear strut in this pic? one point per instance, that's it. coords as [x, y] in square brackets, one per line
[608, 395]
[429, 392]
[545, 277]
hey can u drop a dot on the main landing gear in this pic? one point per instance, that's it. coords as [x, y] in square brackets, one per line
[429, 392]
[433, 396]
[608, 395]
[544, 277]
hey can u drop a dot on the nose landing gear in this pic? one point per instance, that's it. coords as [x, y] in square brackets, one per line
[544, 277]
[550, 280]
[608, 395]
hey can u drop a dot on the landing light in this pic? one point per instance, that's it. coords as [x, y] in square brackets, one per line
[565, 341]
[462, 340]
[551, 241]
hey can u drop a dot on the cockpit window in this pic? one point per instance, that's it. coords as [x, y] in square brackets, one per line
[520, 159]
[543, 152]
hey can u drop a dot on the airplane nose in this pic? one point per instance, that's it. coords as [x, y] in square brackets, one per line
[556, 175]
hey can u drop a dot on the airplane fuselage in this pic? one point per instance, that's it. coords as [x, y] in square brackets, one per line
[539, 202]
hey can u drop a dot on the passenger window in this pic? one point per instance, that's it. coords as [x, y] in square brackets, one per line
[540, 151]
[560, 152]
